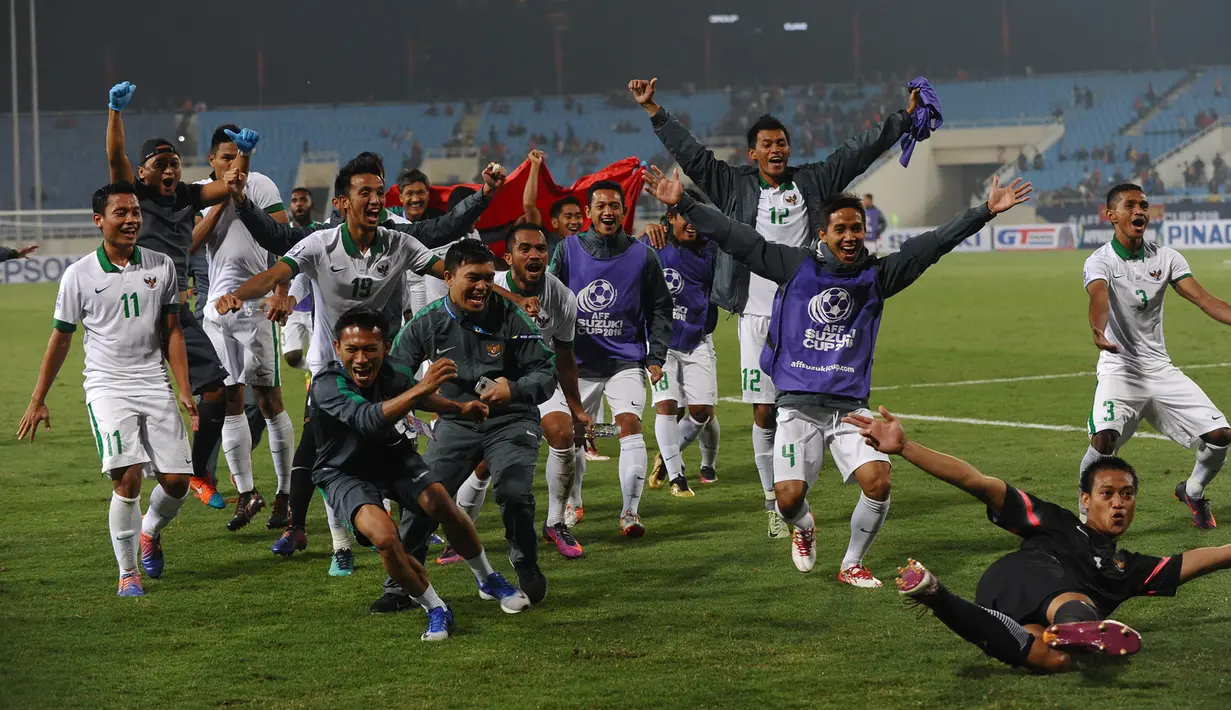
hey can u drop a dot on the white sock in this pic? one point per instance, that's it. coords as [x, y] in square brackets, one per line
[632, 470]
[708, 442]
[282, 448]
[579, 465]
[123, 531]
[480, 566]
[763, 454]
[771, 502]
[337, 530]
[1209, 462]
[1091, 456]
[866, 522]
[561, 475]
[471, 495]
[803, 521]
[688, 428]
[237, 447]
[667, 431]
[429, 599]
[162, 509]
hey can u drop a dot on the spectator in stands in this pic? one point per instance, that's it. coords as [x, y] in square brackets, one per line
[1058, 113]
[1143, 161]
[1037, 163]
[1198, 170]
[1151, 97]
[1081, 153]
[1130, 154]
[1181, 124]
[1022, 163]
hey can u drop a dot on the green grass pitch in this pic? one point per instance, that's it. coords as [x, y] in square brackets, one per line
[702, 612]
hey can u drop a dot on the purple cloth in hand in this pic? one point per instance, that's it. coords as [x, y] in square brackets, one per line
[925, 119]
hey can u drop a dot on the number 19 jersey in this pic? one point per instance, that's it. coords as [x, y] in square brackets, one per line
[343, 277]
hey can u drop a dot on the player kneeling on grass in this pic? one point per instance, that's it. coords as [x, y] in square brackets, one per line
[819, 350]
[363, 456]
[1057, 591]
[126, 299]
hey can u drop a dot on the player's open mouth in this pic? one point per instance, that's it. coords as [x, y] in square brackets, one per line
[534, 267]
[372, 214]
[361, 373]
[690, 230]
[168, 182]
[1140, 222]
[849, 248]
[777, 161]
[476, 298]
[607, 220]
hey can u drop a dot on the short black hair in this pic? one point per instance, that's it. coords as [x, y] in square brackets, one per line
[362, 164]
[456, 195]
[220, 136]
[468, 251]
[1106, 463]
[510, 234]
[301, 188]
[1123, 187]
[364, 317]
[411, 176]
[841, 201]
[103, 194]
[766, 122]
[605, 185]
[558, 206]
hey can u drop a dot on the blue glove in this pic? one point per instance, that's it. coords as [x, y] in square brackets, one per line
[121, 94]
[245, 140]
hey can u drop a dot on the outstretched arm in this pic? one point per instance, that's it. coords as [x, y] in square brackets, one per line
[1203, 560]
[886, 435]
[1211, 305]
[715, 178]
[257, 286]
[858, 153]
[776, 262]
[437, 232]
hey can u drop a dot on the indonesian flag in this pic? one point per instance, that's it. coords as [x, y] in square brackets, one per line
[506, 205]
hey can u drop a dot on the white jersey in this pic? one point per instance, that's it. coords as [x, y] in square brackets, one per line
[782, 218]
[1136, 285]
[234, 256]
[557, 318]
[343, 277]
[121, 310]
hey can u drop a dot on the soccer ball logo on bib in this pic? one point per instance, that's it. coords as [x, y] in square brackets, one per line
[832, 305]
[598, 295]
[675, 282]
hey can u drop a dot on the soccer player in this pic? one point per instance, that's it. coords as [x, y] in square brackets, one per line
[624, 322]
[169, 208]
[359, 407]
[501, 362]
[876, 220]
[782, 202]
[1058, 590]
[819, 347]
[301, 206]
[1127, 280]
[246, 342]
[414, 191]
[7, 254]
[297, 331]
[689, 375]
[562, 417]
[127, 300]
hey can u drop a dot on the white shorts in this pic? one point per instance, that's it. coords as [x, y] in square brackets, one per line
[434, 289]
[297, 333]
[756, 385]
[625, 391]
[1168, 399]
[247, 345]
[140, 430]
[688, 378]
[801, 438]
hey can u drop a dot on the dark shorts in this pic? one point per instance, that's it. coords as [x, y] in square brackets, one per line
[1021, 584]
[346, 494]
[204, 368]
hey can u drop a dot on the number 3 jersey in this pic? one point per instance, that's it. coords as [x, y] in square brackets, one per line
[343, 277]
[121, 310]
[1136, 284]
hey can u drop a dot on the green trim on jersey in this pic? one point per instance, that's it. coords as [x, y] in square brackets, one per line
[1123, 252]
[514, 288]
[63, 327]
[352, 395]
[378, 244]
[108, 267]
[430, 265]
[98, 438]
[275, 208]
[291, 263]
[1180, 278]
[788, 185]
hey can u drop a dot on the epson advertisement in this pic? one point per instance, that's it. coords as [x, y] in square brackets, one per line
[35, 269]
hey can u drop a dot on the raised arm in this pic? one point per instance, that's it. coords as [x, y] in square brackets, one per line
[204, 227]
[1211, 305]
[886, 435]
[1203, 560]
[274, 236]
[899, 270]
[859, 152]
[530, 196]
[444, 229]
[119, 168]
[776, 262]
[245, 142]
[715, 178]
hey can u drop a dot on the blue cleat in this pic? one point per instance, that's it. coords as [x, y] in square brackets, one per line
[435, 540]
[151, 555]
[439, 624]
[130, 585]
[291, 541]
[343, 563]
[512, 600]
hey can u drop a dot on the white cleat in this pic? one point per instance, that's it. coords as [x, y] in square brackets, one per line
[859, 576]
[803, 547]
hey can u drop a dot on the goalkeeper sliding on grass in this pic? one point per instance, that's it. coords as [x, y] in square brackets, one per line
[1056, 592]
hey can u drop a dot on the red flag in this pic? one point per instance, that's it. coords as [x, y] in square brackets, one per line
[506, 206]
[1004, 27]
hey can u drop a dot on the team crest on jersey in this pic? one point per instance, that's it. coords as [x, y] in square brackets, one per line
[151, 281]
[494, 349]
[382, 268]
[791, 199]
[1156, 274]
[542, 320]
